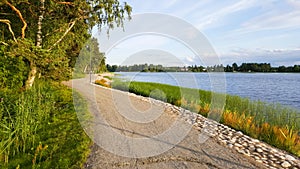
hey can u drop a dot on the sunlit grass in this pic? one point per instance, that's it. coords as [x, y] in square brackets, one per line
[108, 77]
[275, 124]
[39, 129]
[102, 82]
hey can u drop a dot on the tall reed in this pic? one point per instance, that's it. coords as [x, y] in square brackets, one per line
[20, 119]
[39, 128]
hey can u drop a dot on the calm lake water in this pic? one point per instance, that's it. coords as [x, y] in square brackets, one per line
[283, 88]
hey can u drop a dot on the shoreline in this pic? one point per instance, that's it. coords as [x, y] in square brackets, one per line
[214, 72]
[274, 124]
[257, 150]
[263, 87]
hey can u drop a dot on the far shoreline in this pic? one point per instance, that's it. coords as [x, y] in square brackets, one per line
[210, 72]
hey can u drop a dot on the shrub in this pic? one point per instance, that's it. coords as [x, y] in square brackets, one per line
[102, 82]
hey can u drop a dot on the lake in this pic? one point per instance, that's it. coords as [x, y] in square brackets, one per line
[283, 88]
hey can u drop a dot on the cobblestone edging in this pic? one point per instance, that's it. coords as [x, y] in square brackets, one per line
[261, 152]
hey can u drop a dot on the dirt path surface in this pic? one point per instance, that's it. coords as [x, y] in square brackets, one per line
[110, 105]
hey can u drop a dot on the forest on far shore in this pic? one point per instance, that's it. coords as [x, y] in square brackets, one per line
[244, 67]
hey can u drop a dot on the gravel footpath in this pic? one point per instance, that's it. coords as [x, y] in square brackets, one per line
[222, 148]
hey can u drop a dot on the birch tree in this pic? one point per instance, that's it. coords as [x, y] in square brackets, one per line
[48, 35]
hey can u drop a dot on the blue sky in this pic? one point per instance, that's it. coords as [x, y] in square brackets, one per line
[239, 31]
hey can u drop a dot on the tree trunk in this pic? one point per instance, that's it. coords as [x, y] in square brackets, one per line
[33, 69]
[31, 76]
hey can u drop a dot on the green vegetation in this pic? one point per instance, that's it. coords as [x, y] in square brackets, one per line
[39, 128]
[90, 59]
[274, 124]
[78, 75]
[102, 82]
[108, 77]
[144, 68]
[39, 44]
[44, 38]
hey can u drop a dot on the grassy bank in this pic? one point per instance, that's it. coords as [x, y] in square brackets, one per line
[39, 128]
[272, 123]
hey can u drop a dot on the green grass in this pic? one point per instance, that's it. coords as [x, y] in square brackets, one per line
[78, 75]
[108, 77]
[39, 128]
[275, 124]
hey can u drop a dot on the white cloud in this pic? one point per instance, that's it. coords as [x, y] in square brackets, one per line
[218, 14]
[273, 21]
[169, 3]
[153, 56]
[190, 59]
[274, 16]
[294, 3]
[191, 8]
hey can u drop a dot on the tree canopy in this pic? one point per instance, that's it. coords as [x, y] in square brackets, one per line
[90, 58]
[44, 38]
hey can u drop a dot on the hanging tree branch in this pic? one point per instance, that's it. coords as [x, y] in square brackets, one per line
[20, 16]
[4, 43]
[7, 22]
[66, 3]
[62, 37]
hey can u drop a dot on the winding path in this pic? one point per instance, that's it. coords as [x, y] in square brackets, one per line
[105, 103]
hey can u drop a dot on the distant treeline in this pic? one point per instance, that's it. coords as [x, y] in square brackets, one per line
[144, 68]
[244, 67]
[260, 67]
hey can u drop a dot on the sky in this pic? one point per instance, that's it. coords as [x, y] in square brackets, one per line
[238, 31]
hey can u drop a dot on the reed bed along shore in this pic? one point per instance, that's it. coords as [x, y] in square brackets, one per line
[274, 124]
